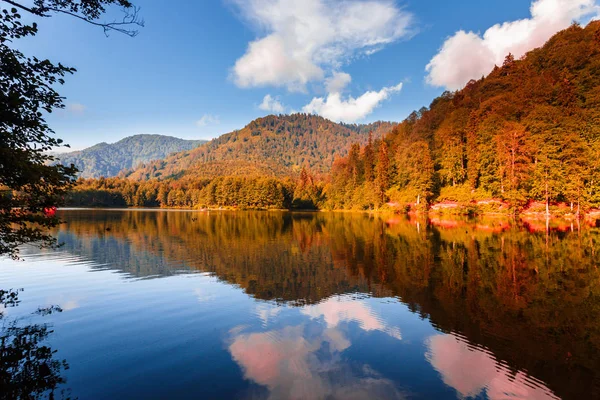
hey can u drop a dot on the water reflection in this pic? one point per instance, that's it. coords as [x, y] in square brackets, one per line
[28, 366]
[511, 307]
[305, 361]
[335, 311]
[473, 371]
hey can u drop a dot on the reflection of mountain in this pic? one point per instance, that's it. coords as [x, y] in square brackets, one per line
[531, 299]
[273, 256]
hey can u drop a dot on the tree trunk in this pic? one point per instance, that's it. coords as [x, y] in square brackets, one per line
[547, 201]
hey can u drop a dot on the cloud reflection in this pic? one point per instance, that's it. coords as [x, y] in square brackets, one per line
[306, 361]
[64, 302]
[343, 309]
[472, 371]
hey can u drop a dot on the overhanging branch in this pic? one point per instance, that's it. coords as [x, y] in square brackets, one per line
[130, 18]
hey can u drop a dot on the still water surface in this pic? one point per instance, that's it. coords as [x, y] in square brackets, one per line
[167, 304]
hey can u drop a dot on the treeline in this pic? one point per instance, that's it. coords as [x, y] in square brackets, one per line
[229, 192]
[528, 131]
[525, 136]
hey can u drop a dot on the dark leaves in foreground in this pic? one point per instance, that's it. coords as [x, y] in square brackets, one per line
[28, 368]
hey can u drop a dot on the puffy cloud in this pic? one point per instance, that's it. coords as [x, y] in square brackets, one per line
[472, 371]
[336, 108]
[207, 119]
[304, 39]
[271, 104]
[468, 55]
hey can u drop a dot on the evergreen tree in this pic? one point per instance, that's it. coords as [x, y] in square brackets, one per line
[382, 173]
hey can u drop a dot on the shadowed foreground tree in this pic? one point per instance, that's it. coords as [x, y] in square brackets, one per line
[29, 186]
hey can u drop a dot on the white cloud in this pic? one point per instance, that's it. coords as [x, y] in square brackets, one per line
[208, 119]
[304, 40]
[338, 109]
[337, 82]
[468, 55]
[271, 104]
[76, 108]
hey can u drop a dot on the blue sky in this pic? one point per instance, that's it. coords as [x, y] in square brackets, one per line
[203, 68]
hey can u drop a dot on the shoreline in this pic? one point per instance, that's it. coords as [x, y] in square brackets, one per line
[536, 216]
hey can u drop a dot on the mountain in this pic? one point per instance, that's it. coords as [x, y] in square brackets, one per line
[108, 160]
[272, 146]
[527, 136]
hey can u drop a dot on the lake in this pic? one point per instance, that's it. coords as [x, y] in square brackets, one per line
[251, 305]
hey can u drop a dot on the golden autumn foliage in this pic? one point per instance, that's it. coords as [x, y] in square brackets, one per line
[530, 130]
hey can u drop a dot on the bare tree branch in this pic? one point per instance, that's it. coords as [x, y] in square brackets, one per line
[130, 18]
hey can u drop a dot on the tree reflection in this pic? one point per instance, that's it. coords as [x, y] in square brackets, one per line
[532, 298]
[28, 367]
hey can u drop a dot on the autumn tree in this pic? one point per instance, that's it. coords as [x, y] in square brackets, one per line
[355, 167]
[514, 162]
[382, 172]
[414, 173]
[369, 160]
[450, 140]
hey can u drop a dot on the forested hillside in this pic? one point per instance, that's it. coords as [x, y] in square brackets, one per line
[108, 160]
[271, 146]
[525, 136]
[528, 131]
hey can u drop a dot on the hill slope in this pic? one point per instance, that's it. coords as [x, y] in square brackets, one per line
[530, 130]
[526, 137]
[108, 160]
[272, 146]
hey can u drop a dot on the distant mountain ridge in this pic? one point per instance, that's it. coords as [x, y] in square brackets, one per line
[270, 146]
[104, 159]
